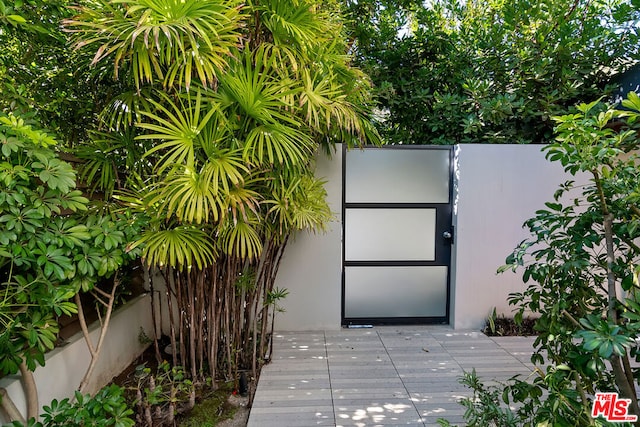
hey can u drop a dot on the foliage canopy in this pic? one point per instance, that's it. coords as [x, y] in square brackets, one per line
[51, 245]
[222, 109]
[494, 71]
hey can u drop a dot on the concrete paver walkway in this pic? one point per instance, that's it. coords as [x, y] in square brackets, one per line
[381, 376]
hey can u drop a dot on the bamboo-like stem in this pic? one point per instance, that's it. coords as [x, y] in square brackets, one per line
[172, 321]
[227, 326]
[201, 295]
[181, 320]
[191, 324]
[212, 318]
[154, 315]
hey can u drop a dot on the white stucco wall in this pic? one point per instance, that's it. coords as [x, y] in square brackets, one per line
[311, 267]
[499, 188]
[65, 366]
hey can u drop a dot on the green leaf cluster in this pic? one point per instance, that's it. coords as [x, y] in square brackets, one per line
[549, 399]
[51, 245]
[218, 111]
[581, 263]
[108, 408]
[166, 386]
[39, 73]
[228, 105]
[488, 71]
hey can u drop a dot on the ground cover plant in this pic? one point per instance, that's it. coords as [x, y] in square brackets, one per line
[504, 326]
[581, 265]
[107, 408]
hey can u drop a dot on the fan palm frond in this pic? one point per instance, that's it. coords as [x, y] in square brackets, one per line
[190, 197]
[124, 110]
[319, 98]
[109, 158]
[167, 40]
[180, 247]
[240, 237]
[310, 208]
[224, 170]
[178, 125]
[277, 143]
[268, 129]
[299, 204]
[99, 171]
[204, 195]
[286, 58]
[254, 92]
[243, 199]
[296, 22]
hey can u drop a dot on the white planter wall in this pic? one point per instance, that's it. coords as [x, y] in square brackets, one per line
[65, 366]
[498, 188]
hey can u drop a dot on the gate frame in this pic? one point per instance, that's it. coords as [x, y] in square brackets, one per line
[445, 259]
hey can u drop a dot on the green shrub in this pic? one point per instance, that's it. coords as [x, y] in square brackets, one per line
[108, 408]
[581, 268]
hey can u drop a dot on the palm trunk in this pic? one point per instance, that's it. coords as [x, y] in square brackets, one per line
[154, 315]
[182, 321]
[201, 316]
[191, 322]
[172, 321]
[213, 322]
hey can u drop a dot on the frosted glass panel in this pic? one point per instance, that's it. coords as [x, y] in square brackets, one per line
[397, 176]
[390, 234]
[395, 292]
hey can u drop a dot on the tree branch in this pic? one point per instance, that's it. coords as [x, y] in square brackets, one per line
[95, 351]
[9, 408]
[31, 391]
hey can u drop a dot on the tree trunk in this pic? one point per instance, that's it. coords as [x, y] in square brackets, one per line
[627, 389]
[9, 408]
[192, 322]
[30, 391]
[172, 321]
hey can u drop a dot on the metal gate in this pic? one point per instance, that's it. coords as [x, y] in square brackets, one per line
[397, 235]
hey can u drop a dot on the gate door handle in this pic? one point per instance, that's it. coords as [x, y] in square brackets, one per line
[448, 235]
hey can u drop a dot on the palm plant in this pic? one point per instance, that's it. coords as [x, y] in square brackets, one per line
[238, 98]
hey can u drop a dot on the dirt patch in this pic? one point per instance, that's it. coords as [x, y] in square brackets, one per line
[222, 407]
[241, 416]
[507, 327]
